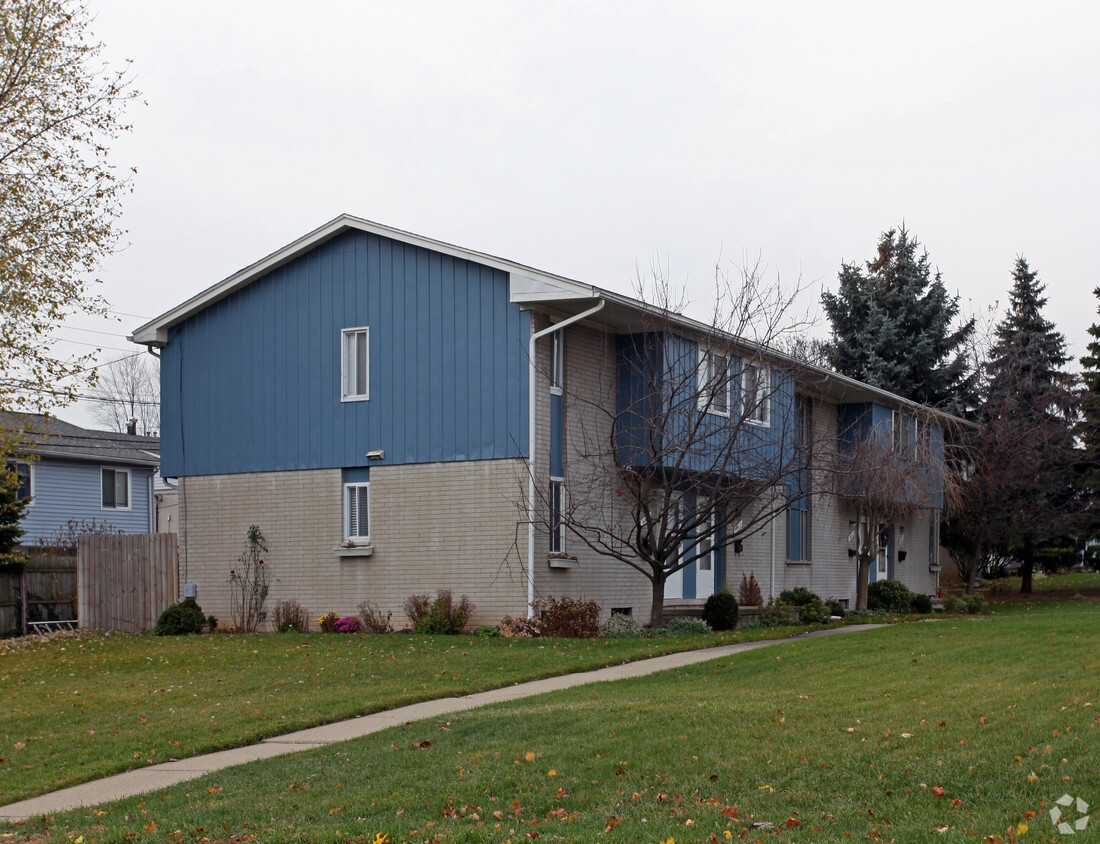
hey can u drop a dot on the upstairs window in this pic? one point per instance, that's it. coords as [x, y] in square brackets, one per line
[116, 489]
[714, 382]
[557, 362]
[354, 365]
[903, 433]
[357, 513]
[754, 393]
[26, 480]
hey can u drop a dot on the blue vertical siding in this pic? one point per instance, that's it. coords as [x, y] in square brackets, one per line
[658, 400]
[252, 383]
[65, 490]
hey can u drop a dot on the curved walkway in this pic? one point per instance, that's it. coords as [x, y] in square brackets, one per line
[166, 774]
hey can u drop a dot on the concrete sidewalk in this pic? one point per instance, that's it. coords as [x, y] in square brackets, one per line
[165, 774]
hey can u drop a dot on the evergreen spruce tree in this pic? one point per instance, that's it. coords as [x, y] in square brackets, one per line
[893, 327]
[1030, 407]
[11, 512]
[1088, 432]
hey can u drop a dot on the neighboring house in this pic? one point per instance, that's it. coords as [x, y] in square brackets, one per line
[73, 474]
[362, 395]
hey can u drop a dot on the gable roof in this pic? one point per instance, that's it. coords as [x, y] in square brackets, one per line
[530, 286]
[48, 436]
[527, 283]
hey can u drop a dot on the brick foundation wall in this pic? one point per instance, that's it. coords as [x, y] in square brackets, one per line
[434, 526]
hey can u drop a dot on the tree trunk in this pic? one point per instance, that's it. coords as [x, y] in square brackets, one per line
[1028, 567]
[972, 575]
[863, 576]
[657, 605]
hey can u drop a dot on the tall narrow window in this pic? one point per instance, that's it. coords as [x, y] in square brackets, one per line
[933, 538]
[355, 360]
[714, 382]
[754, 393]
[357, 512]
[557, 362]
[557, 529]
[800, 531]
[116, 489]
[903, 436]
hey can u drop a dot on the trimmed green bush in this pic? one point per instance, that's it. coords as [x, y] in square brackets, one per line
[776, 613]
[954, 604]
[720, 611]
[835, 608]
[889, 595]
[180, 619]
[975, 604]
[922, 604]
[812, 608]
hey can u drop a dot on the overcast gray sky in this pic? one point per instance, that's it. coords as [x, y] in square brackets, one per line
[585, 138]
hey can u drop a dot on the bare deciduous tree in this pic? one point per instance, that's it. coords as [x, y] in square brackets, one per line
[885, 475]
[60, 108]
[129, 393]
[697, 441]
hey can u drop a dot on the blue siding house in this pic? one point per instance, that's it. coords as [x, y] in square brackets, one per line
[400, 415]
[75, 476]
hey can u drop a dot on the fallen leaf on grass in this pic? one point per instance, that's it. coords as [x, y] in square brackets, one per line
[939, 791]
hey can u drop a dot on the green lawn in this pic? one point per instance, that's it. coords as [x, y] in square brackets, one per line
[81, 706]
[949, 730]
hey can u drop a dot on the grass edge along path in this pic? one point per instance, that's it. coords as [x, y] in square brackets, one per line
[962, 730]
[75, 707]
[132, 783]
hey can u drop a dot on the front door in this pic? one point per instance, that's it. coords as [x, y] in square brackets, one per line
[704, 564]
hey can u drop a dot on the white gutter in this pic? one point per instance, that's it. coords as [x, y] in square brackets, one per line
[531, 429]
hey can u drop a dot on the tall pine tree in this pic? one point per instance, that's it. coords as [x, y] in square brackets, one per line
[893, 326]
[1031, 400]
[1088, 431]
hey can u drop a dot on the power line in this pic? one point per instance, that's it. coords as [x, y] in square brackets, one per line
[92, 345]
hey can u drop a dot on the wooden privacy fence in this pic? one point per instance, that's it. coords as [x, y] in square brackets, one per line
[126, 582]
[39, 594]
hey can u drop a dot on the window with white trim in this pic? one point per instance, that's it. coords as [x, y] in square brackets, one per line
[115, 489]
[354, 364]
[26, 480]
[714, 381]
[903, 434]
[557, 527]
[933, 538]
[557, 362]
[357, 513]
[754, 393]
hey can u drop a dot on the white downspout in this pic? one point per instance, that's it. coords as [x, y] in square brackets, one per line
[771, 585]
[531, 429]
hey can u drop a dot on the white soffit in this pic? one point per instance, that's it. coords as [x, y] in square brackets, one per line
[524, 288]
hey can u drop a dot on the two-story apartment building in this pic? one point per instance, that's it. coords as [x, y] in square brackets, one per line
[386, 408]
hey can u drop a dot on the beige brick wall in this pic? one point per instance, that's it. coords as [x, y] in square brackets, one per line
[434, 526]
